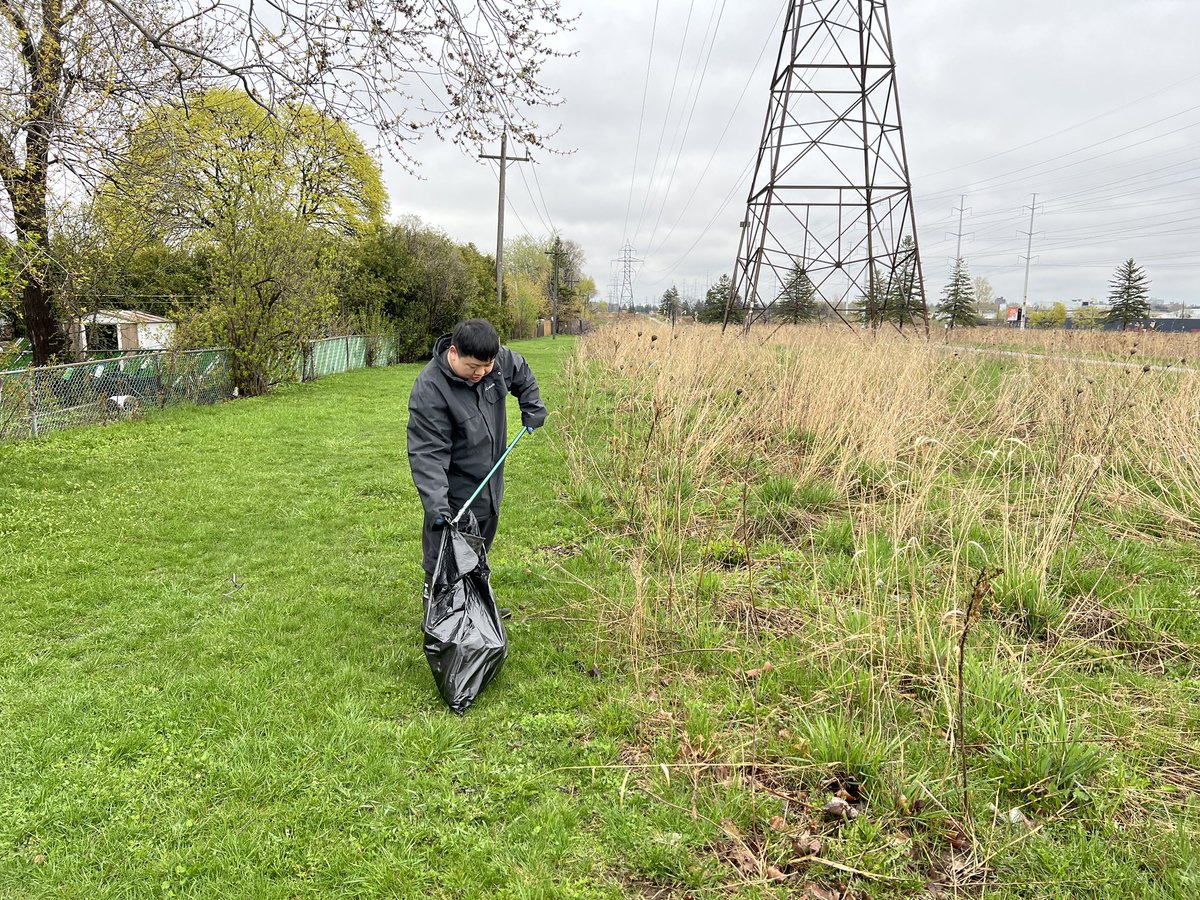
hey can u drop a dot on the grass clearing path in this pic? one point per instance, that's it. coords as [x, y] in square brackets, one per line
[212, 681]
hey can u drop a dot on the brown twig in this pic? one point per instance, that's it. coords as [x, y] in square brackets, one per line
[982, 589]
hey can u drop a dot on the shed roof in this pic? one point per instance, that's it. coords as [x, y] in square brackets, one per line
[124, 316]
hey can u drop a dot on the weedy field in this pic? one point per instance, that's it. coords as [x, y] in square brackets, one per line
[773, 600]
[1178, 350]
[936, 614]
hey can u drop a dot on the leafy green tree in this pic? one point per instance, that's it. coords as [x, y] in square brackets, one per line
[586, 290]
[481, 303]
[1089, 317]
[96, 270]
[669, 306]
[1054, 317]
[415, 277]
[210, 161]
[440, 298]
[985, 298]
[79, 73]
[957, 308]
[267, 198]
[1129, 295]
[275, 283]
[526, 281]
[798, 300]
[10, 307]
[380, 276]
[716, 299]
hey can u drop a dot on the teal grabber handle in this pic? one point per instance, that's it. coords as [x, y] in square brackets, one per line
[483, 484]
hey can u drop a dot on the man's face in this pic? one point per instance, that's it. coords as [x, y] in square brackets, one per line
[468, 367]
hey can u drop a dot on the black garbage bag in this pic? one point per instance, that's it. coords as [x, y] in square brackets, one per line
[465, 641]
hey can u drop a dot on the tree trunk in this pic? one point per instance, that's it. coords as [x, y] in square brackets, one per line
[45, 333]
[33, 237]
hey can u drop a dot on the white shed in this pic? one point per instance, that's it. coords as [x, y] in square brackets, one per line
[120, 329]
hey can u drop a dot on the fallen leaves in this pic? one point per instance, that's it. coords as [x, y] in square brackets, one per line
[737, 852]
[763, 670]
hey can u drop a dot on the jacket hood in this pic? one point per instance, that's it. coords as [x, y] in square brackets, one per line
[440, 346]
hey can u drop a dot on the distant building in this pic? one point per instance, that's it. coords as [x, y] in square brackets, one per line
[123, 330]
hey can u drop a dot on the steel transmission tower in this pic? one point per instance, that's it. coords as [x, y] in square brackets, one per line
[831, 200]
[628, 260]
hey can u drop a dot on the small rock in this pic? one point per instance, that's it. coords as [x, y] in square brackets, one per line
[837, 808]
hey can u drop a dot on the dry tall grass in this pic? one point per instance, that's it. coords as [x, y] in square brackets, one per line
[882, 421]
[845, 491]
[1175, 348]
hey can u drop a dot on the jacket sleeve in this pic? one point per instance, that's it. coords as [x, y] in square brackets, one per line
[524, 387]
[429, 450]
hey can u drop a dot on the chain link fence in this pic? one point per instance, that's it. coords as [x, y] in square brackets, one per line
[343, 354]
[35, 402]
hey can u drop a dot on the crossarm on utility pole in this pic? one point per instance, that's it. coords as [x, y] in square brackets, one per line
[504, 161]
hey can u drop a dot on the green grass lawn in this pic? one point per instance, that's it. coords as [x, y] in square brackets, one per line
[212, 682]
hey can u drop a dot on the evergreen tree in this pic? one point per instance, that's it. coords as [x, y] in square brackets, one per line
[1129, 295]
[670, 306]
[958, 299]
[798, 300]
[715, 301]
[905, 302]
[871, 307]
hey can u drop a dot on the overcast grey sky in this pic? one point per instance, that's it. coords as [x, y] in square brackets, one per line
[1092, 104]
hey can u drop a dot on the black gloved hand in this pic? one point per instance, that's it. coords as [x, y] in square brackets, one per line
[439, 522]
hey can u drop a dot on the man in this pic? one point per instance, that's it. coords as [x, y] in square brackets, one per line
[458, 428]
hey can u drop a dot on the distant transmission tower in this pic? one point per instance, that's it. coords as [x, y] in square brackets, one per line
[831, 201]
[628, 260]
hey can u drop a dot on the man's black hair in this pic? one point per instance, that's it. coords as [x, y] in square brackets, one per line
[476, 338]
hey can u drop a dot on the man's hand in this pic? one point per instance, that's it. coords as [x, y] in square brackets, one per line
[439, 522]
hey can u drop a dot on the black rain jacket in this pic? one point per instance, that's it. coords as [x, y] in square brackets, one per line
[457, 430]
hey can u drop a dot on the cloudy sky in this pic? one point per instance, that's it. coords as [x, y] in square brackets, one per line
[1094, 105]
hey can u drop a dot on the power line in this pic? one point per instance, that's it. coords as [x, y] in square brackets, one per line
[641, 117]
[1061, 156]
[702, 72]
[713, 155]
[667, 115]
[537, 181]
[1035, 141]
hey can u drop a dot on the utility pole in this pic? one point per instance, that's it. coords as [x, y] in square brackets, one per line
[960, 209]
[1028, 258]
[504, 161]
[555, 253]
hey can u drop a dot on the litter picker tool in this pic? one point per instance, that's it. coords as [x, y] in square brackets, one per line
[465, 641]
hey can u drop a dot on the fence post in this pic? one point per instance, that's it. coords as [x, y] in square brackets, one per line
[347, 369]
[33, 428]
[158, 383]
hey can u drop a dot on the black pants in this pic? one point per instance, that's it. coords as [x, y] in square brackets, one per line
[431, 538]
